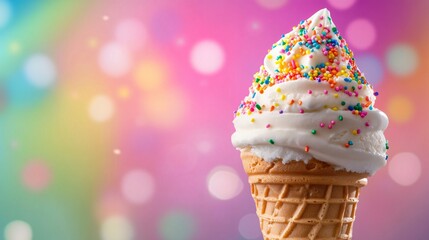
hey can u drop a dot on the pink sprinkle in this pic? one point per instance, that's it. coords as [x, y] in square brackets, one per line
[311, 56]
[322, 124]
[268, 125]
[329, 126]
[337, 88]
[301, 110]
[359, 86]
[282, 51]
[332, 122]
[358, 131]
[325, 91]
[293, 63]
[367, 124]
[310, 92]
[252, 109]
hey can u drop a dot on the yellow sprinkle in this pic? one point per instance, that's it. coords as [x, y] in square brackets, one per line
[269, 56]
[278, 90]
[283, 97]
[335, 108]
[252, 120]
[360, 98]
[276, 104]
[354, 132]
[336, 95]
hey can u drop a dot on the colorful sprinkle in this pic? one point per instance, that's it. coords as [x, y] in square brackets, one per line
[313, 131]
[268, 125]
[340, 118]
[307, 148]
[271, 141]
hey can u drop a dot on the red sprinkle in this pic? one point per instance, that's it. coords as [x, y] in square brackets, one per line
[307, 148]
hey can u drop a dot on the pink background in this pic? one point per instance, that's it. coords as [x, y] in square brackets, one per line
[116, 115]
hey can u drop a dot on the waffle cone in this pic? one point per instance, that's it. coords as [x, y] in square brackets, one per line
[303, 201]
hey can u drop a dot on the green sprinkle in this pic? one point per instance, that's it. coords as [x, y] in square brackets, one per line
[340, 118]
[258, 107]
[271, 141]
[387, 145]
[313, 131]
[343, 103]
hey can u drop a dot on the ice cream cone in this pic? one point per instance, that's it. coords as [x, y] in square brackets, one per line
[300, 200]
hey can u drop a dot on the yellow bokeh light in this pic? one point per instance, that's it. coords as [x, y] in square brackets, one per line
[164, 109]
[15, 47]
[92, 42]
[401, 109]
[150, 75]
[123, 92]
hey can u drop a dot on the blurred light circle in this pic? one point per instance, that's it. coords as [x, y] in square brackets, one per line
[341, 4]
[101, 108]
[402, 59]
[405, 168]
[40, 70]
[114, 59]
[371, 67]
[400, 109]
[5, 13]
[249, 226]
[177, 226]
[271, 4]
[150, 75]
[165, 108]
[18, 230]
[36, 175]
[165, 25]
[223, 183]
[117, 228]
[204, 146]
[138, 186]
[131, 33]
[207, 57]
[361, 34]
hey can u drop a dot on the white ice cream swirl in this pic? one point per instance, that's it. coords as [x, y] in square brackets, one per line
[309, 99]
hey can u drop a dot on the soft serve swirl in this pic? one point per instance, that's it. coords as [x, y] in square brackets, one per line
[309, 99]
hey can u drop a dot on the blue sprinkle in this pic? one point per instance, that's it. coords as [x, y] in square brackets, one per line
[347, 80]
[350, 142]
[370, 107]
[254, 94]
[351, 108]
[387, 156]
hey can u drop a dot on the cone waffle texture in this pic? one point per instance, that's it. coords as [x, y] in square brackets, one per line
[303, 201]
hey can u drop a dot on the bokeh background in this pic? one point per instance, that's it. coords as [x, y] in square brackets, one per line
[115, 115]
